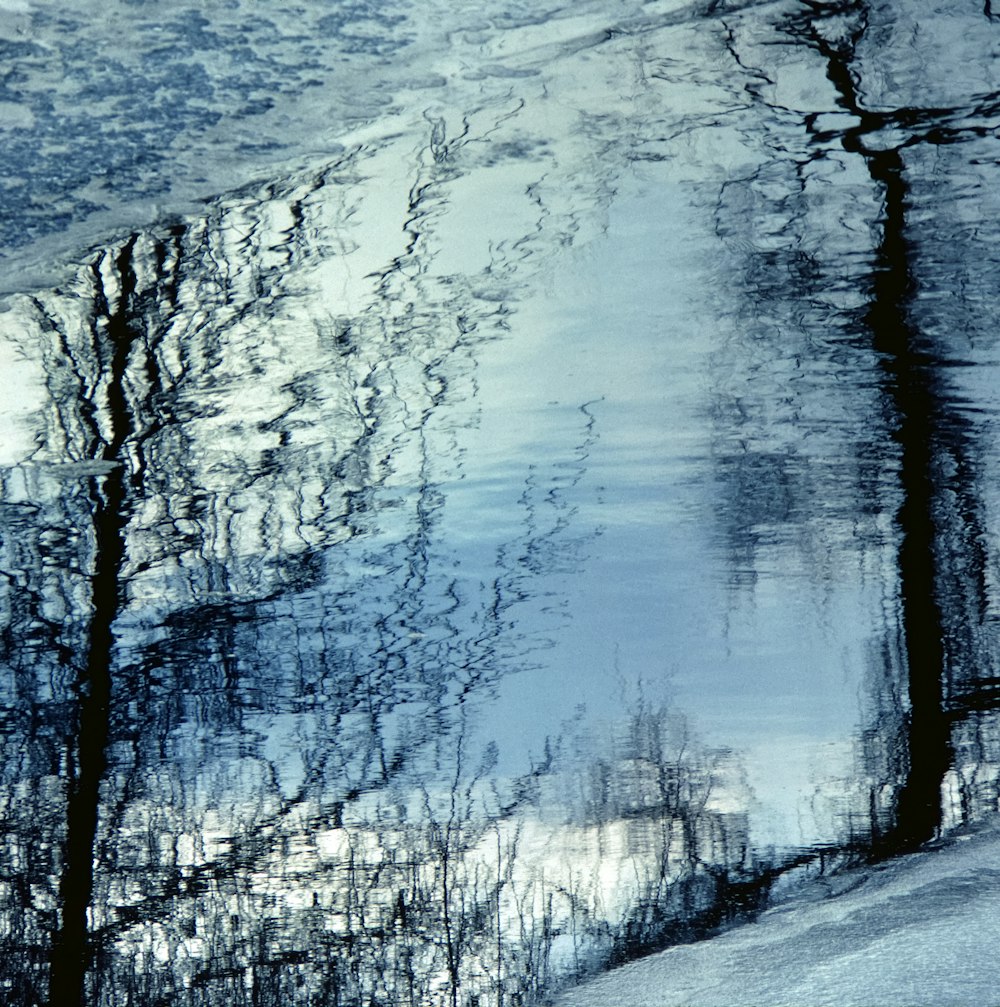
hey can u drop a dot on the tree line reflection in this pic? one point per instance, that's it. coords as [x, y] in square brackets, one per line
[245, 665]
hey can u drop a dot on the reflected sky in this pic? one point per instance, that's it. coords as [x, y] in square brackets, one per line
[654, 598]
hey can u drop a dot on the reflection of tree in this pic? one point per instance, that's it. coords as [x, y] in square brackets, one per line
[213, 612]
[919, 418]
[245, 654]
[835, 306]
[676, 811]
[114, 332]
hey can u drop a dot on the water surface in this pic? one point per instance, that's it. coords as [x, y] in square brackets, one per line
[503, 490]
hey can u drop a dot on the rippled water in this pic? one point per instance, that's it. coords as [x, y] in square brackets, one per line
[504, 490]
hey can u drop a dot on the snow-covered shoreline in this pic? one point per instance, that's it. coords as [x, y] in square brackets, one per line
[916, 931]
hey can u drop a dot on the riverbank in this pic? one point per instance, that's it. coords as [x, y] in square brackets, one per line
[918, 930]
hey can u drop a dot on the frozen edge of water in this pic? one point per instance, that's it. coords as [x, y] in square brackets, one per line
[917, 929]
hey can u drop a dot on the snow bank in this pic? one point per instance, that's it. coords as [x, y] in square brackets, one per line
[920, 930]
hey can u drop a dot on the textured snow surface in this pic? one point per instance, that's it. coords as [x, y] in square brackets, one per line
[921, 930]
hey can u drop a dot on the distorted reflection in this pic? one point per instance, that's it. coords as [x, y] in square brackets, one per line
[530, 535]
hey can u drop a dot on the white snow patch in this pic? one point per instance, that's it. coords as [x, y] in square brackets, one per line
[920, 930]
[22, 393]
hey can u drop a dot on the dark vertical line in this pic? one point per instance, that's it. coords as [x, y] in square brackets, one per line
[72, 950]
[911, 388]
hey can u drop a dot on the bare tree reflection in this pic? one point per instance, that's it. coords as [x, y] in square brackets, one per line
[846, 271]
[245, 661]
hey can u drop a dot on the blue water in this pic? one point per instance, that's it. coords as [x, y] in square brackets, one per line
[483, 491]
